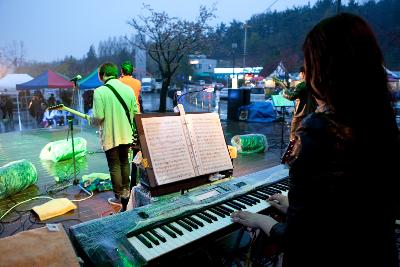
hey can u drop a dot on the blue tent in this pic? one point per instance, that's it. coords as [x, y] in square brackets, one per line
[257, 112]
[91, 81]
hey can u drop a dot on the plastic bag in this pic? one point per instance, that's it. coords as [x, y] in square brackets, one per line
[250, 143]
[16, 176]
[62, 149]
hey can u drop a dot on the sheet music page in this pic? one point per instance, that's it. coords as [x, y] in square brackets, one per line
[209, 142]
[168, 149]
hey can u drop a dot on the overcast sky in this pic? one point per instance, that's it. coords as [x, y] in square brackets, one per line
[52, 29]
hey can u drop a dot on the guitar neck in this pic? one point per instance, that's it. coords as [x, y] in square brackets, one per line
[77, 113]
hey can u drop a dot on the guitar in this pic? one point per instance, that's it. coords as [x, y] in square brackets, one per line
[70, 110]
[135, 139]
[289, 149]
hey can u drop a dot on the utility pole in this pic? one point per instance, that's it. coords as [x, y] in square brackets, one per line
[245, 26]
[234, 46]
[338, 5]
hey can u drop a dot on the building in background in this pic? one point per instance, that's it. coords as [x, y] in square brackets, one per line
[202, 65]
[140, 66]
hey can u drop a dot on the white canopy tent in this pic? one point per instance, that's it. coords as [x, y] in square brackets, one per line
[8, 87]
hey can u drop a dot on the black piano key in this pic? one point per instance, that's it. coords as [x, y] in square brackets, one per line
[199, 223]
[168, 231]
[184, 225]
[263, 192]
[277, 187]
[284, 182]
[159, 236]
[203, 217]
[260, 196]
[233, 205]
[237, 203]
[253, 202]
[217, 212]
[212, 217]
[252, 198]
[151, 238]
[226, 209]
[144, 241]
[190, 223]
[270, 191]
[173, 228]
[244, 201]
[285, 187]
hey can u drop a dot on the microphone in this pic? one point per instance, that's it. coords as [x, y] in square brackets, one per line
[76, 78]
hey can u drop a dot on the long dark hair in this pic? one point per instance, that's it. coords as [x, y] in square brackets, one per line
[345, 68]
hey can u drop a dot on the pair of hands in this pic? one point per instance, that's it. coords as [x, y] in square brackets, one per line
[264, 222]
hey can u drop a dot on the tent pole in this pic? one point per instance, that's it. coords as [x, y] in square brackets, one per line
[19, 115]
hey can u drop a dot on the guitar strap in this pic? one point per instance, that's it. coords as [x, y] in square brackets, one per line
[123, 105]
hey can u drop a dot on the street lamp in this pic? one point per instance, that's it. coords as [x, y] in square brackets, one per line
[245, 26]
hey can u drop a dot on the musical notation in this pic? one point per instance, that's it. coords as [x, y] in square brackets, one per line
[182, 147]
[168, 151]
[209, 142]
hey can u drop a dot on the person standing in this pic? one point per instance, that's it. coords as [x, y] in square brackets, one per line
[304, 103]
[126, 78]
[135, 84]
[51, 101]
[343, 198]
[115, 128]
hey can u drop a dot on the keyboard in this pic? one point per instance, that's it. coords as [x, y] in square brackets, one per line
[147, 234]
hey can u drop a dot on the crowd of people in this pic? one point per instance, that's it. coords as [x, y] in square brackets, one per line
[6, 114]
[43, 117]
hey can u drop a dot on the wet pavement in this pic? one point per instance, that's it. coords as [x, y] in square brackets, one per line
[27, 144]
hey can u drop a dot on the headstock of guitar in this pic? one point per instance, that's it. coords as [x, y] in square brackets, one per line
[56, 107]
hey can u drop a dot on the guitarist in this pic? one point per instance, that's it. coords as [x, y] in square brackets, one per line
[304, 103]
[116, 131]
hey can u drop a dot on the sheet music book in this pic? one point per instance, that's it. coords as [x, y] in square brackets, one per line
[182, 147]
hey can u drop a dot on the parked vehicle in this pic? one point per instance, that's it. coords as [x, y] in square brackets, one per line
[148, 85]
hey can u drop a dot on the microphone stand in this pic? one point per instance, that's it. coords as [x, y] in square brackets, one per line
[70, 121]
[71, 129]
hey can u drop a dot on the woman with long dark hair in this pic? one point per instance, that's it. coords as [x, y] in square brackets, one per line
[344, 185]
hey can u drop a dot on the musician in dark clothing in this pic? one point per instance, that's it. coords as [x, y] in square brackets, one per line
[344, 188]
[304, 103]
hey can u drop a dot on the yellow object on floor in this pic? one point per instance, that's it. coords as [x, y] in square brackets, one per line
[232, 152]
[54, 208]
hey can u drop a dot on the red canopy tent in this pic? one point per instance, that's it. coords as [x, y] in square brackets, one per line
[47, 79]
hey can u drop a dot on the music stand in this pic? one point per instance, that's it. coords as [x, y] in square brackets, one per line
[280, 102]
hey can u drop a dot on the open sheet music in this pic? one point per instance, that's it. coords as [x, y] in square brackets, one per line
[187, 146]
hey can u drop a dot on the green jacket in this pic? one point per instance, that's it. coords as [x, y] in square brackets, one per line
[304, 101]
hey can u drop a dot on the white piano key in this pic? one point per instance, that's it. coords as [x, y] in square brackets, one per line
[144, 251]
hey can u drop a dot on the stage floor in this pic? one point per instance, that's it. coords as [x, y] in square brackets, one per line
[28, 144]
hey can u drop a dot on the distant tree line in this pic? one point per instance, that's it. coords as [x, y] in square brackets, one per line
[271, 37]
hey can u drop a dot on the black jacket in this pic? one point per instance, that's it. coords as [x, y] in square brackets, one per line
[336, 215]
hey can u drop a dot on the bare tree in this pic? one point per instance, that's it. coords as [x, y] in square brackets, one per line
[14, 54]
[168, 39]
